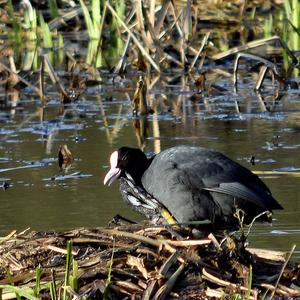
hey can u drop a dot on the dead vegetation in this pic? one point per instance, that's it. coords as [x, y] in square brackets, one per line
[144, 262]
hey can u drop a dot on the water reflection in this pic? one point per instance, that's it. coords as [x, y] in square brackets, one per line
[241, 124]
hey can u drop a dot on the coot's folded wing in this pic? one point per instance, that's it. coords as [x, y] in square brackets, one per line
[238, 190]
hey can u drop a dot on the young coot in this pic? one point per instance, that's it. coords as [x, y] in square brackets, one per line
[192, 184]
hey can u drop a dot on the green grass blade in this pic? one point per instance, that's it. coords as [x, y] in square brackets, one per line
[38, 274]
[75, 275]
[46, 33]
[20, 292]
[52, 292]
[53, 8]
[67, 270]
[88, 21]
[248, 294]
[15, 25]
[108, 279]
[287, 7]
[96, 13]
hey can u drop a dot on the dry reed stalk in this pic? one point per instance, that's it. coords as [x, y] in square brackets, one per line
[161, 16]
[34, 88]
[152, 12]
[206, 275]
[164, 290]
[266, 62]
[204, 43]
[185, 21]
[262, 73]
[136, 41]
[254, 44]
[141, 19]
[170, 28]
[282, 270]
[156, 132]
[53, 76]
[120, 67]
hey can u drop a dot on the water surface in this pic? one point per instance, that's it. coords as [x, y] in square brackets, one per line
[238, 124]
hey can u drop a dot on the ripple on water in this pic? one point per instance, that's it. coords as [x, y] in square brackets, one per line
[49, 127]
[6, 131]
[287, 169]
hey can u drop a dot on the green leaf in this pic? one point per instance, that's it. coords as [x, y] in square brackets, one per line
[23, 292]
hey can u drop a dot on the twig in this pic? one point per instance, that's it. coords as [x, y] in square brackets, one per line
[203, 45]
[282, 270]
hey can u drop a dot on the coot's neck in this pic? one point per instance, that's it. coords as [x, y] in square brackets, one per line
[137, 169]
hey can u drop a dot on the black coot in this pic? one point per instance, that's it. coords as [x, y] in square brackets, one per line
[192, 183]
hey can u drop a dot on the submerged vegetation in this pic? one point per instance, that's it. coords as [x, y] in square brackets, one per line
[65, 48]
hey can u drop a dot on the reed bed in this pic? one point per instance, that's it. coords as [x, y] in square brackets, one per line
[141, 262]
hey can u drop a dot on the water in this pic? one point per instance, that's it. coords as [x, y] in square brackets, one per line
[237, 124]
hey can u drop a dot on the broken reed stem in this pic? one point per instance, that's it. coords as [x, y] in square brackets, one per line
[202, 47]
[34, 88]
[266, 62]
[282, 270]
[255, 44]
[136, 41]
[143, 239]
[54, 76]
[224, 283]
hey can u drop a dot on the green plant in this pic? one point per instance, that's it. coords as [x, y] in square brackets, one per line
[17, 29]
[268, 26]
[290, 32]
[27, 293]
[108, 279]
[37, 288]
[75, 275]
[67, 269]
[53, 8]
[248, 294]
[93, 19]
[46, 33]
[30, 23]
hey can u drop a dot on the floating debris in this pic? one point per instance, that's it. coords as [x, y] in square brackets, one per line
[65, 158]
[74, 175]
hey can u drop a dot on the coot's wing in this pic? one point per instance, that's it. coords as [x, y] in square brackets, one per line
[238, 190]
[223, 175]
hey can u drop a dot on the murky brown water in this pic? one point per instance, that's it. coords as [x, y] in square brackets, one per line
[234, 123]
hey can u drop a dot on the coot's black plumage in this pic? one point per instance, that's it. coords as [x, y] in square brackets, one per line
[192, 183]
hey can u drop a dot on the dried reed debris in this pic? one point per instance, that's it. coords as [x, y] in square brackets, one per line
[145, 261]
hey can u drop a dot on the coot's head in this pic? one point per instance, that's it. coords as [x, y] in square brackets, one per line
[127, 160]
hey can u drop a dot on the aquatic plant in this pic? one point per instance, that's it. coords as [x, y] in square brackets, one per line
[30, 22]
[268, 26]
[67, 269]
[53, 8]
[290, 32]
[46, 33]
[93, 19]
[17, 29]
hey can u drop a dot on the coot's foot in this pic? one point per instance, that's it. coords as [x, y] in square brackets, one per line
[117, 219]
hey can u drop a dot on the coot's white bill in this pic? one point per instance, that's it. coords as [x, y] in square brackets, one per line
[114, 172]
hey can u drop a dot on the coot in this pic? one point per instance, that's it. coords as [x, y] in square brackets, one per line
[192, 184]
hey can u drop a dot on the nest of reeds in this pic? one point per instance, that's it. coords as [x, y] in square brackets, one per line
[140, 262]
